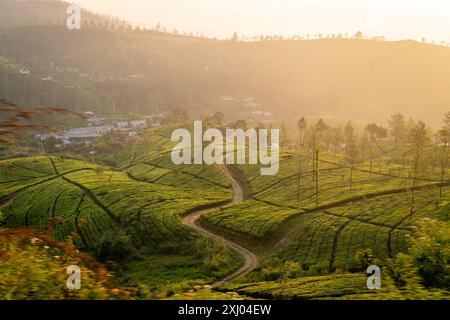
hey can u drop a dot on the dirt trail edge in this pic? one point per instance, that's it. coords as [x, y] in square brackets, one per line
[250, 259]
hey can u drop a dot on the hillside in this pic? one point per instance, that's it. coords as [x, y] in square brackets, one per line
[326, 236]
[111, 68]
[34, 12]
[131, 216]
[301, 234]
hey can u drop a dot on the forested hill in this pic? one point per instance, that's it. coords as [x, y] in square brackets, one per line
[35, 12]
[108, 67]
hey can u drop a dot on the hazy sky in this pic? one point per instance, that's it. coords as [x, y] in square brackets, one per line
[396, 19]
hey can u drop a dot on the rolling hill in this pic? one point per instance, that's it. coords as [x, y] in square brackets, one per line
[145, 71]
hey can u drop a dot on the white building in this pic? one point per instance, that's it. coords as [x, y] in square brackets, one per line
[121, 124]
[86, 135]
[138, 123]
[97, 120]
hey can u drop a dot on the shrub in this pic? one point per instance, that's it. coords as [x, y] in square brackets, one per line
[428, 256]
[114, 247]
[215, 256]
[424, 271]
[33, 267]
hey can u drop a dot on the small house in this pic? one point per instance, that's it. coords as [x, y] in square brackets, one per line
[138, 123]
[121, 125]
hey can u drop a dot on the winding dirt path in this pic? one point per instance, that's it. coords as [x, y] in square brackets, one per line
[192, 221]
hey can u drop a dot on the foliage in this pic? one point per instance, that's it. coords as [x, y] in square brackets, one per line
[215, 256]
[305, 288]
[17, 120]
[114, 246]
[276, 269]
[95, 205]
[34, 267]
[427, 261]
[365, 257]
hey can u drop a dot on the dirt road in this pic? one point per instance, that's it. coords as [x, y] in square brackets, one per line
[250, 259]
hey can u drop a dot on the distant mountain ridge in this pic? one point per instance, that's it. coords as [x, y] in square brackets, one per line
[15, 13]
[145, 71]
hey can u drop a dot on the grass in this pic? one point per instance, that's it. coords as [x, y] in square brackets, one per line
[34, 268]
[93, 201]
[95, 206]
[326, 237]
[334, 180]
[138, 207]
[305, 288]
[252, 217]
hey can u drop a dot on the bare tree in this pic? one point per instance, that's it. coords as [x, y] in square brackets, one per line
[302, 127]
[351, 150]
[397, 128]
[375, 133]
[315, 137]
[442, 138]
[337, 138]
[418, 140]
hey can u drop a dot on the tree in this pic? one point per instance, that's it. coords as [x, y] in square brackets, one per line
[442, 138]
[315, 136]
[418, 140]
[321, 128]
[358, 36]
[351, 150]
[302, 127]
[313, 144]
[218, 118]
[283, 135]
[369, 150]
[239, 124]
[235, 37]
[214, 121]
[422, 272]
[447, 121]
[289, 269]
[178, 115]
[376, 132]
[365, 258]
[337, 138]
[321, 125]
[397, 128]
[365, 146]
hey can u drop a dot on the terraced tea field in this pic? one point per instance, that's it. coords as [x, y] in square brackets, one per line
[282, 217]
[306, 288]
[334, 180]
[375, 214]
[93, 201]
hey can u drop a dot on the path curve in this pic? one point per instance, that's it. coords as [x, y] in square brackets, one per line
[192, 221]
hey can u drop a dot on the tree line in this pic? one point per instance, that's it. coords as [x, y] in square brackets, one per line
[414, 143]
